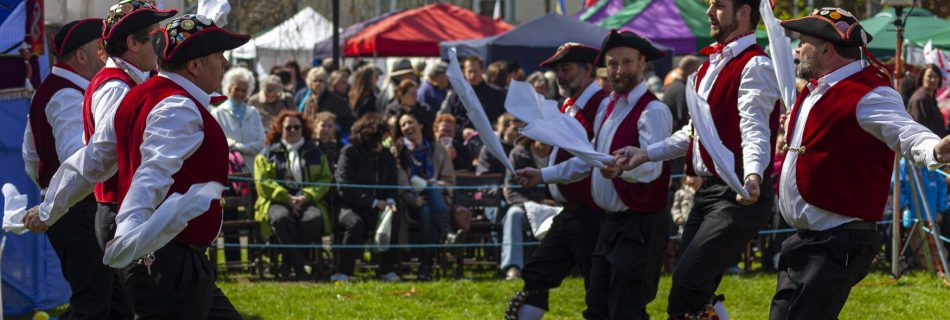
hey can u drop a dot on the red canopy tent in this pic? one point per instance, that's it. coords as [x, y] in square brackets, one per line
[417, 32]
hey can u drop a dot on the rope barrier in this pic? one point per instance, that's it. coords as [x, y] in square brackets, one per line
[398, 187]
[435, 245]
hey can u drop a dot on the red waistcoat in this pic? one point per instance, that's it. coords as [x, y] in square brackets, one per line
[43, 137]
[208, 163]
[724, 106]
[640, 197]
[578, 192]
[836, 147]
[105, 191]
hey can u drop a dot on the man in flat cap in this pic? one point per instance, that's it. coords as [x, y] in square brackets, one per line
[831, 190]
[130, 59]
[53, 133]
[573, 234]
[625, 267]
[167, 142]
[738, 82]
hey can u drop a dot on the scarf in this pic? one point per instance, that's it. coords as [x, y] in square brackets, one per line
[294, 163]
[420, 158]
[238, 109]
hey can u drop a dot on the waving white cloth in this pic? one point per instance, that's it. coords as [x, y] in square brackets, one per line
[475, 111]
[540, 217]
[169, 219]
[705, 128]
[780, 49]
[216, 10]
[549, 126]
[14, 208]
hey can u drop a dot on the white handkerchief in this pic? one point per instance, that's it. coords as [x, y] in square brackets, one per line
[540, 217]
[216, 10]
[551, 127]
[475, 111]
[14, 208]
[170, 218]
[780, 50]
[722, 158]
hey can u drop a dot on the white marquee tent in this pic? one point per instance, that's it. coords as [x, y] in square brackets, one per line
[291, 39]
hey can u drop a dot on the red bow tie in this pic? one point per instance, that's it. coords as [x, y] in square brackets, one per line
[215, 100]
[711, 49]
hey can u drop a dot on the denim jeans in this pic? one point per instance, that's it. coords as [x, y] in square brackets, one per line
[514, 226]
[435, 213]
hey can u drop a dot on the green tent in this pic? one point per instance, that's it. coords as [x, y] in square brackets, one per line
[940, 39]
[881, 27]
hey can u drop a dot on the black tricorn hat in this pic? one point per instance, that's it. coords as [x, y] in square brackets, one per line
[571, 52]
[628, 39]
[834, 25]
[76, 34]
[129, 16]
[193, 36]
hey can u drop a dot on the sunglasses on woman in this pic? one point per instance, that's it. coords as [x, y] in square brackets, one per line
[292, 128]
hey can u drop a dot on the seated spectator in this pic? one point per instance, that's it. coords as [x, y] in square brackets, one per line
[402, 70]
[317, 98]
[271, 100]
[406, 101]
[325, 135]
[362, 94]
[241, 123]
[364, 161]
[527, 153]
[296, 211]
[418, 159]
[444, 127]
[508, 127]
[603, 81]
[434, 86]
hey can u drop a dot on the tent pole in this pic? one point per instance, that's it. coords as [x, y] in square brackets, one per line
[336, 33]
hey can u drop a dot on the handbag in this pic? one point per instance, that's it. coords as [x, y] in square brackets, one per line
[461, 217]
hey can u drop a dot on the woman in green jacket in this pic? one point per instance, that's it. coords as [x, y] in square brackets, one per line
[285, 174]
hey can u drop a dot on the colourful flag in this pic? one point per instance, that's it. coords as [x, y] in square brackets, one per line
[561, 8]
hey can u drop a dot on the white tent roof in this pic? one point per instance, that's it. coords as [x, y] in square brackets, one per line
[301, 32]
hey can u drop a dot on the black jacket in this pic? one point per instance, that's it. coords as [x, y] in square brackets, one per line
[365, 105]
[335, 104]
[491, 97]
[487, 163]
[359, 165]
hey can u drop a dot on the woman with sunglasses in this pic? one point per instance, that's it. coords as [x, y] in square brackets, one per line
[288, 199]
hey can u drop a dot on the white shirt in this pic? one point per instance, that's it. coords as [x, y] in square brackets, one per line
[578, 106]
[654, 125]
[244, 135]
[880, 113]
[758, 91]
[173, 131]
[64, 114]
[96, 161]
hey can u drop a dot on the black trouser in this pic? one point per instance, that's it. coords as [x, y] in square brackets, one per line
[180, 286]
[568, 243]
[818, 269]
[97, 292]
[625, 267]
[305, 228]
[716, 231]
[105, 223]
[358, 225]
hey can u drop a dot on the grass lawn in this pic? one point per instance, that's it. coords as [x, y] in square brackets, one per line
[916, 296]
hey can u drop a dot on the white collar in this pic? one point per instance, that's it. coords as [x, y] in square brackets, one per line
[71, 76]
[203, 97]
[141, 74]
[634, 95]
[589, 92]
[840, 74]
[733, 48]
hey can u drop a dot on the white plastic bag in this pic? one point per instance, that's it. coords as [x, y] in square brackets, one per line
[383, 230]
